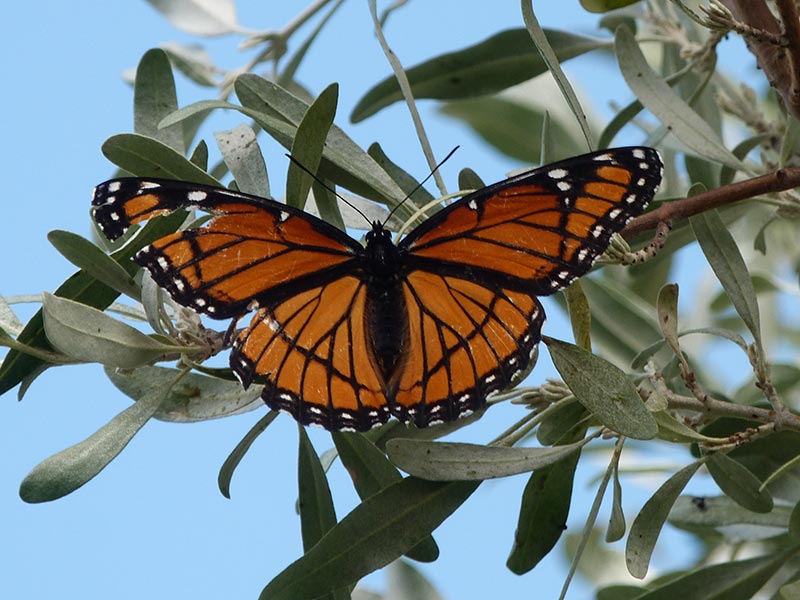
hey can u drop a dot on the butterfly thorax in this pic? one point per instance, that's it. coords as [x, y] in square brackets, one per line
[385, 306]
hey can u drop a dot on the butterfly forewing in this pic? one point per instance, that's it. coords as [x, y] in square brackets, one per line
[541, 229]
[253, 252]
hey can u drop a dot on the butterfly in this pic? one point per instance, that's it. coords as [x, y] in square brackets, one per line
[344, 334]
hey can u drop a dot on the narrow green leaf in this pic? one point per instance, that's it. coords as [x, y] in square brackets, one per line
[497, 120]
[200, 18]
[406, 582]
[787, 468]
[734, 580]
[627, 320]
[328, 205]
[794, 522]
[146, 157]
[63, 473]
[371, 472]
[193, 61]
[739, 483]
[287, 75]
[543, 514]
[548, 145]
[741, 150]
[580, 315]
[80, 286]
[565, 417]
[193, 399]
[410, 186]
[200, 156]
[629, 112]
[276, 111]
[606, 391]
[375, 533]
[789, 591]
[368, 467]
[85, 255]
[604, 6]
[620, 592]
[673, 430]
[674, 113]
[154, 97]
[317, 515]
[9, 322]
[790, 141]
[56, 358]
[723, 255]
[87, 334]
[616, 522]
[451, 461]
[648, 523]
[241, 153]
[667, 307]
[309, 144]
[235, 457]
[345, 162]
[469, 180]
[552, 60]
[716, 514]
[495, 64]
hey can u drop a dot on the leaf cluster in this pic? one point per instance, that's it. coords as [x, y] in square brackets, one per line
[636, 379]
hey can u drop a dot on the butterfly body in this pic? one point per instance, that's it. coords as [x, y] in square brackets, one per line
[345, 335]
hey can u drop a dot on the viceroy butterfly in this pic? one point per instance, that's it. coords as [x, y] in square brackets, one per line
[427, 329]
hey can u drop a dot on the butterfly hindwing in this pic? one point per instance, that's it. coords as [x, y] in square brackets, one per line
[314, 346]
[467, 341]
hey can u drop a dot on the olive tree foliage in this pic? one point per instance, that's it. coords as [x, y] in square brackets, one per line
[637, 377]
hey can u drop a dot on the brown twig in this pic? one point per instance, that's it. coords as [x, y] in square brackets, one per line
[787, 9]
[779, 62]
[669, 212]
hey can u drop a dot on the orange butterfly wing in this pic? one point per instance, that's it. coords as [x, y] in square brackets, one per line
[476, 268]
[464, 308]
[308, 334]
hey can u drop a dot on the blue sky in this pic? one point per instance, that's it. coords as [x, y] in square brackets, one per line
[153, 524]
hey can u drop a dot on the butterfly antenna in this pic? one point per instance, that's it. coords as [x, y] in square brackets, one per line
[420, 184]
[329, 188]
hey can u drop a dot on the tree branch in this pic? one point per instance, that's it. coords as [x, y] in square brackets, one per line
[779, 63]
[669, 212]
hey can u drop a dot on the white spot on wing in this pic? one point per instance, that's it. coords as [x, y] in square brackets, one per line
[196, 196]
[638, 153]
[114, 186]
[563, 186]
[557, 173]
